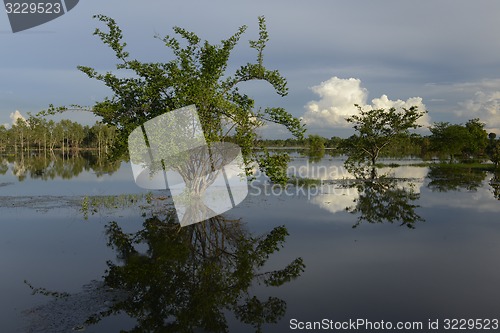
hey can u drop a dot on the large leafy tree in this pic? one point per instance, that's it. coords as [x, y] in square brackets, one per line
[375, 130]
[449, 139]
[197, 74]
[459, 140]
[478, 138]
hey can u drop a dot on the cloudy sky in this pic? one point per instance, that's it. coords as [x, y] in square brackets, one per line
[440, 55]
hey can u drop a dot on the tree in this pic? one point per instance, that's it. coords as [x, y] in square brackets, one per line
[478, 138]
[493, 149]
[197, 75]
[468, 141]
[4, 137]
[449, 139]
[316, 147]
[376, 129]
[101, 137]
[39, 128]
[77, 135]
[316, 143]
[20, 130]
[51, 129]
[334, 142]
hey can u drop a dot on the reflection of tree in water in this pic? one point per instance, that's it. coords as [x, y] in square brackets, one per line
[315, 156]
[4, 166]
[443, 179]
[51, 166]
[189, 276]
[384, 200]
[495, 185]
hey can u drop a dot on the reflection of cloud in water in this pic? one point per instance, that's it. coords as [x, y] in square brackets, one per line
[335, 170]
[336, 199]
[414, 176]
[481, 200]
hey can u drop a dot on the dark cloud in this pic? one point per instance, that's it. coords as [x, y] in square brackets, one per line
[394, 47]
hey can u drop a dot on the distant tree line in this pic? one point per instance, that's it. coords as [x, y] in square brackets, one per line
[452, 142]
[333, 142]
[37, 134]
[449, 142]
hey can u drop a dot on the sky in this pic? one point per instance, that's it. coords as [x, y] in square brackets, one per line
[443, 56]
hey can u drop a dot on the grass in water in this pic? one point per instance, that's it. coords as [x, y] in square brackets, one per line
[92, 204]
[304, 182]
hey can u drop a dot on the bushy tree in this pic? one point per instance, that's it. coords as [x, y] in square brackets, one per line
[478, 138]
[197, 75]
[375, 130]
[316, 143]
[467, 140]
[4, 137]
[449, 139]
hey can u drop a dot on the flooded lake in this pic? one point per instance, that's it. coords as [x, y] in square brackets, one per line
[419, 247]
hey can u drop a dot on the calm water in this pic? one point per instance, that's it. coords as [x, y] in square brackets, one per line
[424, 247]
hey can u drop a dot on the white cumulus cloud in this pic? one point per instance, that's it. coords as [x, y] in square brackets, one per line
[14, 116]
[484, 105]
[384, 102]
[337, 99]
[475, 99]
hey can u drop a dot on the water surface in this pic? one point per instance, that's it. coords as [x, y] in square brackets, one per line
[442, 264]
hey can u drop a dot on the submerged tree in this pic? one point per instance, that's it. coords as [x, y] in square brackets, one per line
[375, 130]
[316, 145]
[197, 75]
[478, 138]
[448, 139]
[452, 140]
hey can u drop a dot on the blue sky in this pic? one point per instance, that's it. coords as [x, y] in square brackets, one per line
[441, 55]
